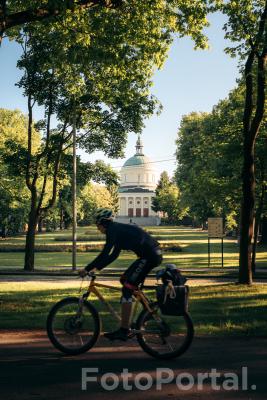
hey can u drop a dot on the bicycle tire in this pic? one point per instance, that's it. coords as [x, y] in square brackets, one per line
[53, 338]
[146, 315]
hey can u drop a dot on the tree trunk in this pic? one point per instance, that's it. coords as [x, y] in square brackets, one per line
[258, 216]
[30, 240]
[255, 241]
[61, 221]
[252, 119]
[247, 216]
[264, 231]
[40, 224]
[3, 231]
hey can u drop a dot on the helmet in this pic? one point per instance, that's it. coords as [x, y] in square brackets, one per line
[103, 214]
[171, 273]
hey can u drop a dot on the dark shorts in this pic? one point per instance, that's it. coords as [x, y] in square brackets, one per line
[140, 268]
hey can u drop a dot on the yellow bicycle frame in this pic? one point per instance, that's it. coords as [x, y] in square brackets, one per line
[138, 294]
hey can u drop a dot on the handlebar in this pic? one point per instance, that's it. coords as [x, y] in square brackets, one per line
[91, 275]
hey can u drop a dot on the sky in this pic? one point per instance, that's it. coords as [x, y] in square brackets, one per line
[189, 81]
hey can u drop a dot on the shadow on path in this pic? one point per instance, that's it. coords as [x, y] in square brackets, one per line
[31, 369]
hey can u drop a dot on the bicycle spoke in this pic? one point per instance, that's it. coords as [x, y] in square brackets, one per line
[71, 330]
[81, 339]
[164, 336]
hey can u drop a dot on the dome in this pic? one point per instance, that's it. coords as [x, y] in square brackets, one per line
[137, 159]
[138, 172]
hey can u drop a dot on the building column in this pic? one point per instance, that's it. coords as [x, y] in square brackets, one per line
[149, 200]
[144, 205]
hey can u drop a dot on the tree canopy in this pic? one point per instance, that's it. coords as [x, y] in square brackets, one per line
[209, 157]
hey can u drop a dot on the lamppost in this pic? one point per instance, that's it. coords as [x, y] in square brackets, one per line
[74, 193]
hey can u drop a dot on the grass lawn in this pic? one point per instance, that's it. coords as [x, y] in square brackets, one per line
[216, 310]
[194, 244]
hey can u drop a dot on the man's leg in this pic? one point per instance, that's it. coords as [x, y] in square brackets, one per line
[126, 311]
[126, 304]
[135, 275]
[129, 285]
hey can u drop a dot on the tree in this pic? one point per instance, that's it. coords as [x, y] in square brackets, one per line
[87, 173]
[14, 199]
[209, 155]
[93, 197]
[100, 72]
[167, 199]
[264, 229]
[163, 184]
[261, 192]
[12, 14]
[247, 26]
[192, 173]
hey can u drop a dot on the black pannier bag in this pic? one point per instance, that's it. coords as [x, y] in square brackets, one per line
[171, 273]
[172, 300]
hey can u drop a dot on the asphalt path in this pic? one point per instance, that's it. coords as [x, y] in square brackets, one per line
[58, 281]
[30, 368]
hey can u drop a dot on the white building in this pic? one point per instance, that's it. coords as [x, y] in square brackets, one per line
[138, 183]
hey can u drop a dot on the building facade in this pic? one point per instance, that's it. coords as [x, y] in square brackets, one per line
[137, 188]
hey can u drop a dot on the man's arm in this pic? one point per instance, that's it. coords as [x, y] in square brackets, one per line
[106, 257]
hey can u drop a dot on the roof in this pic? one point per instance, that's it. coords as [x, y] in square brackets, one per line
[137, 159]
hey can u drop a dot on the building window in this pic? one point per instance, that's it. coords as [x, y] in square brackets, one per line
[125, 178]
[138, 202]
[130, 202]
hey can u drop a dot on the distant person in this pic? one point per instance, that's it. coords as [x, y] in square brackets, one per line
[125, 237]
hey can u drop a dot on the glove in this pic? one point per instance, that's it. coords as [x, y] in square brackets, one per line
[83, 273]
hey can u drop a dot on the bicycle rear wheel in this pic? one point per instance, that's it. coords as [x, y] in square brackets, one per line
[164, 336]
[73, 330]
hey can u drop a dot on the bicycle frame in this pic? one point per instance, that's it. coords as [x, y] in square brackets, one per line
[138, 294]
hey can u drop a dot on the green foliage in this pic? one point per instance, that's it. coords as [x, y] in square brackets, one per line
[241, 28]
[105, 65]
[95, 66]
[246, 27]
[98, 172]
[92, 198]
[14, 198]
[167, 199]
[209, 156]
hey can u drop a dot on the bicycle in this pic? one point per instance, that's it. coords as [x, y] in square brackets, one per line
[74, 324]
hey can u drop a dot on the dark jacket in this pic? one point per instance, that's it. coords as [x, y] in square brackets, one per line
[124, 237]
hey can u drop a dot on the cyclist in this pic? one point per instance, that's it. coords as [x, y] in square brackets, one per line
[125, 237]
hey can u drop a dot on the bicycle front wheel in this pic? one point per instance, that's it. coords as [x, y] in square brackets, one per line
[164, 336]
[73, 329]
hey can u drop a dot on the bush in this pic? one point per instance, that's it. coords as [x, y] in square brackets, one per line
[81, 248]
[86, 238]
[51, 248]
